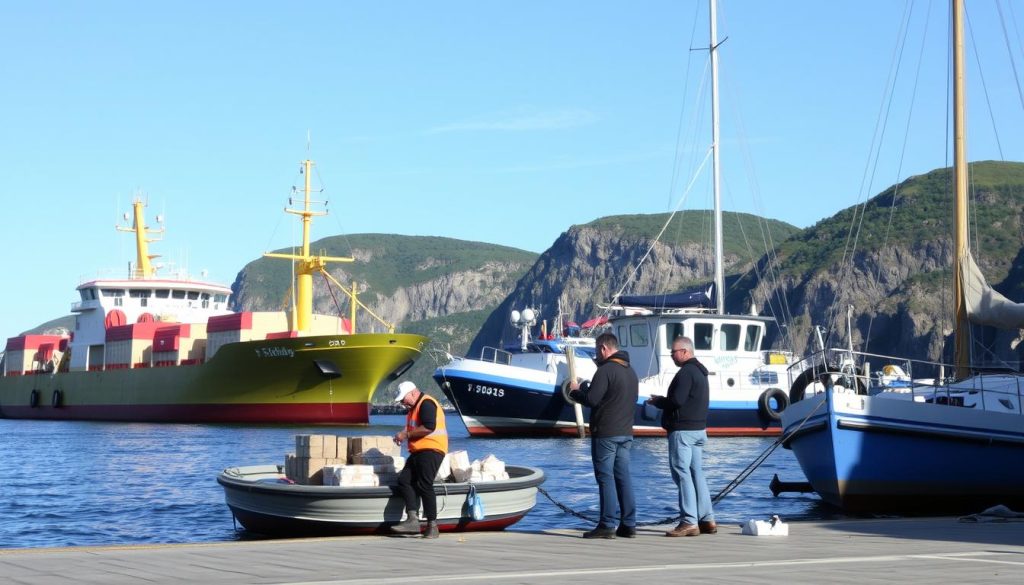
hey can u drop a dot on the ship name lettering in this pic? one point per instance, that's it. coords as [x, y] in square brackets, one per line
[274, 352]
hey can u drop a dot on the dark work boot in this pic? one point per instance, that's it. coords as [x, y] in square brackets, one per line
[411, 525]
[432, 531]
[600, 532]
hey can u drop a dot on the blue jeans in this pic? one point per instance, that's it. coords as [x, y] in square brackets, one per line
[614, 485]
[685, 453]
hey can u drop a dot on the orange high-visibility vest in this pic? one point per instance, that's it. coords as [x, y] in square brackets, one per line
[435, 441]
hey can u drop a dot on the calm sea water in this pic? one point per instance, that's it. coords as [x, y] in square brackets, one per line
[83, 483]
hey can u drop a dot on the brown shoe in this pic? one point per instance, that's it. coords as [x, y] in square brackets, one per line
[684, 530]
[708, 527]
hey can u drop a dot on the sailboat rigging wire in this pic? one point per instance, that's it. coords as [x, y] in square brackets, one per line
[867, 179]
[877, 274]
[682, 109]
[1009, 49]
[984, 86]
[771, 263]
[664, 227]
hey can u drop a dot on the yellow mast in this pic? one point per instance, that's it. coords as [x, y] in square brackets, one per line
[143, 259]
[961, 242]
[305, 263]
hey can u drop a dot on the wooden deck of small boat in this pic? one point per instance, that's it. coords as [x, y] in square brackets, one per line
[933, 550]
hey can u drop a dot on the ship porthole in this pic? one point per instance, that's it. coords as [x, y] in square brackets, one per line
[57, 399]
[33, 399]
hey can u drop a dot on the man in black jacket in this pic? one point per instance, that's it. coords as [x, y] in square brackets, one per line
[611, 396]
[685, 417]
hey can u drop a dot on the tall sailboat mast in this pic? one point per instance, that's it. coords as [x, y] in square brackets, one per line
[716, 164]
[961, 333]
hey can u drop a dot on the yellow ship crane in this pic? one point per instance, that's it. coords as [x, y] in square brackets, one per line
[306, 264]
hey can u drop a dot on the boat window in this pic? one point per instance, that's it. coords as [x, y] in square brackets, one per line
[638, 335]
[177, 294]
[621, 334]
[764, 377]
[138, 293]
[220, 298]
[193, 295]
[702, 335]
[162, 293]
[730, 337]
[673, 331]
[753, 339]
[112, 292]
[205, 296]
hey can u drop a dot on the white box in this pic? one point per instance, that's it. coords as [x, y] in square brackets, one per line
[773, 527]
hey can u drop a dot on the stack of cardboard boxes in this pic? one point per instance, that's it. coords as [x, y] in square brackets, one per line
[344, 461]
[374, 460]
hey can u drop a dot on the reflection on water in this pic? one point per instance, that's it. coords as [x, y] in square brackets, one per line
[85, 483]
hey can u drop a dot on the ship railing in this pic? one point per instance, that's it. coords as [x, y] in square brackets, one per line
[495, 355]
[922, 380]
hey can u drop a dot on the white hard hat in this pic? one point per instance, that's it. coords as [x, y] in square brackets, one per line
[404, 389]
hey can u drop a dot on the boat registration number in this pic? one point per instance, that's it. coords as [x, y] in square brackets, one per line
[488, 390]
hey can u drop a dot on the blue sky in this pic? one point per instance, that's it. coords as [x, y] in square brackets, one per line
[498, 122]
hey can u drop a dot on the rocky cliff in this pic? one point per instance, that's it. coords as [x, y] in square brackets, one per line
[589, 264]
[893, 270]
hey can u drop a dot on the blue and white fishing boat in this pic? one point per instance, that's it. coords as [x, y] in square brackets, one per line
[903, 444]
[519, 391]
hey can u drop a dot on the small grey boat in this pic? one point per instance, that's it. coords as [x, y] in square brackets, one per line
[265, 502]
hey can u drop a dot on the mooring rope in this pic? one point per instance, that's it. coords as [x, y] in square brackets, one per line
[732, 485]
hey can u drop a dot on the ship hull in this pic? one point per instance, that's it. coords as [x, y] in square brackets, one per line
[494, 406]
[327, 379]
[882, 455]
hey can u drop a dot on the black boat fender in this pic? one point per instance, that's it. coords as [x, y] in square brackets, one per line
[766, 411]
[33, 399]
[57, 400]
[799, 387]
[847, 377]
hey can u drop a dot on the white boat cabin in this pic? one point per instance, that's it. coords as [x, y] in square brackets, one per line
[729, 346]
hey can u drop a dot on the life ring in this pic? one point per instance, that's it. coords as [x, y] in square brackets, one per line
[33, 399]
[768, 413]
[57, 400]
[799, 387]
